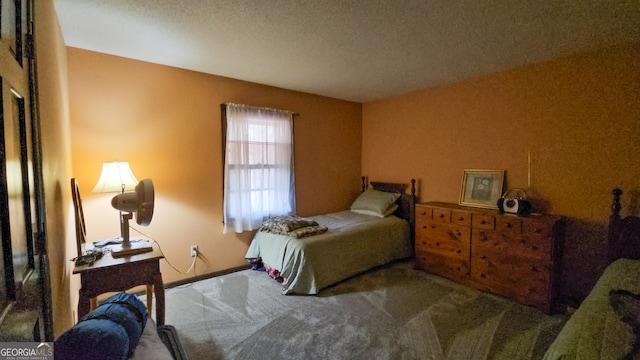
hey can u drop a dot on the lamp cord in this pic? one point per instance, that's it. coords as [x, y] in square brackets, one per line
[193, 263]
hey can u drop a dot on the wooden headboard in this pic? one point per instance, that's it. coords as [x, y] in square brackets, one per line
[624, 232]
[406, 202]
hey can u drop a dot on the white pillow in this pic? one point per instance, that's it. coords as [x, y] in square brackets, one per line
[151, 346]
[389, 211]
[375, 201]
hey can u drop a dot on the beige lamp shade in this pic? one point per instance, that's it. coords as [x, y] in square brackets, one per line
[115, 177]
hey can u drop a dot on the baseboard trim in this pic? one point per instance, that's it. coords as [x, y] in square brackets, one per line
[206, 276]
[198, 278]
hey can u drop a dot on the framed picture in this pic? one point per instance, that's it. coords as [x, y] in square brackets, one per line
[481, 188]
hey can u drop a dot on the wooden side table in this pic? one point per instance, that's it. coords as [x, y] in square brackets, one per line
[110, 274]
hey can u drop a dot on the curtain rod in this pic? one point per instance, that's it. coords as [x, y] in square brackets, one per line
[259, 108]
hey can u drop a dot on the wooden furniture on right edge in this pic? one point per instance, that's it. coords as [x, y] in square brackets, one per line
[514, 256]
[589, 332]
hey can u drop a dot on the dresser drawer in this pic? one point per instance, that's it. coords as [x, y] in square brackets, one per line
[482, 237]
[538, 228]
[422, 222]
[448, 233]
[461, 218]
[483, 221]
[522, 246]
[446, 266]
[523, 279]
[442, 215]
[445, 248]
[423, 213]
[533, 246]
[529, 292]
[509, 224]
[507, 269]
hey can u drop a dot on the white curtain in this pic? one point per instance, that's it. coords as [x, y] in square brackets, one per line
[258, 169]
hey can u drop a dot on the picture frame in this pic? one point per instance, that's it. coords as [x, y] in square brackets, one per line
[481, 188]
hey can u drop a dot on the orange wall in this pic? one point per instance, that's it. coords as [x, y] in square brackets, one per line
[577, 117]
[166, 123]
[54, 119]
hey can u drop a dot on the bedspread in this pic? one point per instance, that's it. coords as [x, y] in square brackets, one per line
[353, 243]
[595, 331]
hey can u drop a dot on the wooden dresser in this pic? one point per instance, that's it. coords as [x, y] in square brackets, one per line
[514, 256]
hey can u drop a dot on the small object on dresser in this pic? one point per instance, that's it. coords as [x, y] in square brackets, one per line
[517, 204]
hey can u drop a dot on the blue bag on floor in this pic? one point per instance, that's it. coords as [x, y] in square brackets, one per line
[109, 332]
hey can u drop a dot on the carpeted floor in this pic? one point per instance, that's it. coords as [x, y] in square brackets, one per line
[392, 312]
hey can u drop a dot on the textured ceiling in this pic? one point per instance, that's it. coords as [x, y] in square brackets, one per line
[358, 50]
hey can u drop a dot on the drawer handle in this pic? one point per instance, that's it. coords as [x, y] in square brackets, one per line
[433, 226]
[538, 230]
[483, 257]
[483, 222]
[441, 216]
[458, 233]
[458, 251]
[534, 248]
[424, 213]
[534, 269]
[458, 268]
[460, 218]
[508, 225]
[484, 237]
[483, 276]
[437, 244]
[424, 243]
[424, 226]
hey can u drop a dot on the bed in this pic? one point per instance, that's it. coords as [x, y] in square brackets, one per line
[597, 330]
[375, 231]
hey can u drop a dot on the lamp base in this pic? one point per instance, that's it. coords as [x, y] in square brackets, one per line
[138, 247]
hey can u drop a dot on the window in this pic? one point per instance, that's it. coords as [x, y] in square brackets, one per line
[258, 165]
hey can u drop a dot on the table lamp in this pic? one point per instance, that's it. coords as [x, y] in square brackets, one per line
[117, 177]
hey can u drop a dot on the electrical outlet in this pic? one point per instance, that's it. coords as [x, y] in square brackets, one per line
[194, 250]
